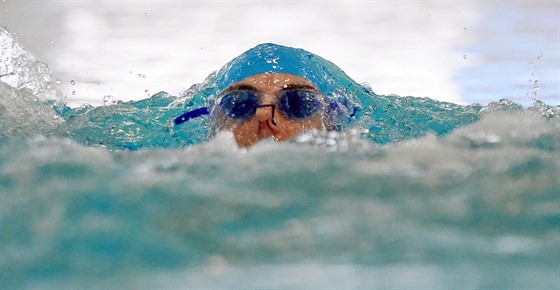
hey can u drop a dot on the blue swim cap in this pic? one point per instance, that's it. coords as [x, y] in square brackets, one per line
[270, 57]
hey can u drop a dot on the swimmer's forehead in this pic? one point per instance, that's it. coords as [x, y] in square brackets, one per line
[272, 80]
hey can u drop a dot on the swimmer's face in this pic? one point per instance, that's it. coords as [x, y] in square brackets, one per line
[286, 105]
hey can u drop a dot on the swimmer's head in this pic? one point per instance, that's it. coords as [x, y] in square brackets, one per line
[272, 91]
[270, 105]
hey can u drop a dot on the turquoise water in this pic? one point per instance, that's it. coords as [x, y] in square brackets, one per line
[411, 193]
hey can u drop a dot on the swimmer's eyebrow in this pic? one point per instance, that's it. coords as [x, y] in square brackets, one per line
[241, 87]
[296, 86]
[299, 86]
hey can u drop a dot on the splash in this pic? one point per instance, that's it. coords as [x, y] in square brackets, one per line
[22, 70]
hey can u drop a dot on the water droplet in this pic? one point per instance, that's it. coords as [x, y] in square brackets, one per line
[145, 13]
[147, 92]
[58, 82]
[107, 100]
[465, 56]
[73, 93]
[533, 93]
[72, 82]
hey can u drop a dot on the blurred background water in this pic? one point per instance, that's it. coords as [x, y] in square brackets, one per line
[458, 51]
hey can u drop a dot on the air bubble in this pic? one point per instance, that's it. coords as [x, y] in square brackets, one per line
[73, 93]
[72, 82]
[465, 56]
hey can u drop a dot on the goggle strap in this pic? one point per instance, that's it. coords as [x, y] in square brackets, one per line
[191, 115]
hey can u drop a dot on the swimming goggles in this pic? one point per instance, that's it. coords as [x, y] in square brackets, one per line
[296, 104]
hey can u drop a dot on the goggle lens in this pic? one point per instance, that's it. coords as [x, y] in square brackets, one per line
[299, 104]
[240, 105]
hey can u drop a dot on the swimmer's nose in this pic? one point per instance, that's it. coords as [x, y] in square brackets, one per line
[266, 114]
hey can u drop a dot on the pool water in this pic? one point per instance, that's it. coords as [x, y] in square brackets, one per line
[414, 194]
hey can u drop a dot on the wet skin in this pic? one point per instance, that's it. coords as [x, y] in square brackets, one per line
[262, 125]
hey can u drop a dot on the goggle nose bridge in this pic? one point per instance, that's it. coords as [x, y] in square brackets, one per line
[273, 119]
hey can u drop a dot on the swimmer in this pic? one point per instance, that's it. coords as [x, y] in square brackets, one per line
[270, 91]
